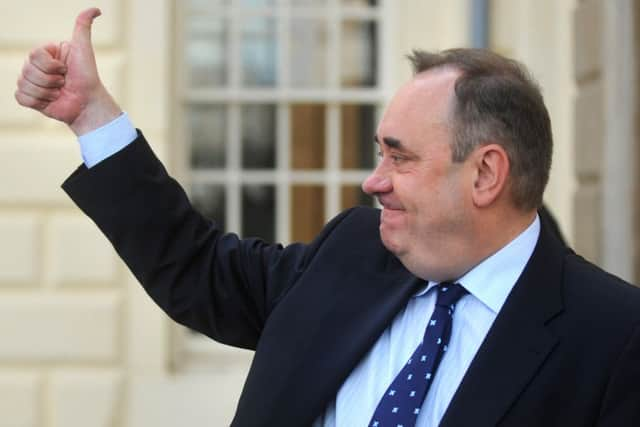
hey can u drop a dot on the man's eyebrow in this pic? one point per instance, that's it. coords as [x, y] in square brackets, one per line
[390, 142]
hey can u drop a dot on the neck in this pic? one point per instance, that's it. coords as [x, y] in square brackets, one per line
[493, 232]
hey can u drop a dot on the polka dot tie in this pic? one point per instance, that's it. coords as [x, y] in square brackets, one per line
[401, 403]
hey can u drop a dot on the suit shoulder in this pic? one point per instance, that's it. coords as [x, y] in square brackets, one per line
[360, 219]
[360, 224]
[352, 233]
[593, 285]
[363, 217]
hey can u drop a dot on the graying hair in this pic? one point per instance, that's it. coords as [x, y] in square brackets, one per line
[497, 101]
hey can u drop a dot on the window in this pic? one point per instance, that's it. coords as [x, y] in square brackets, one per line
[277, 106]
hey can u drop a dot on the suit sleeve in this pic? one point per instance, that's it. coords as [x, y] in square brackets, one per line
[209, 281]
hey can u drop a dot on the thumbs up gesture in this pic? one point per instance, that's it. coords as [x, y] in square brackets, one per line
[62, 81]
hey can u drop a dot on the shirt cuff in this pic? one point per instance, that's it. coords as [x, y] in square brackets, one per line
[107, 140]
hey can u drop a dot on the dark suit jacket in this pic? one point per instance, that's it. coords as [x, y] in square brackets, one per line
[564, 350]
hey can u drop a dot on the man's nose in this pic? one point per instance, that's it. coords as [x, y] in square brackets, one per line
[376, 183]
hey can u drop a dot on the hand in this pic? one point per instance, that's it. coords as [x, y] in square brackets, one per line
[62, 81]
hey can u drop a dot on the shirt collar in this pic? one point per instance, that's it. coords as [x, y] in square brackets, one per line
[491, 281]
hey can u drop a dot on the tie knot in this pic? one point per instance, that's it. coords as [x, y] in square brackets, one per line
[449, 294]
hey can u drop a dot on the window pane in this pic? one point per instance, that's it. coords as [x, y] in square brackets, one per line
[308, 52]
[258, 136]
[307, 212]
[259, 52]
[209, 200]
[359, 60]
[207, 126]
[307, 136]
[258, 212]
[358, 127]
[206, 51]
[352, 195]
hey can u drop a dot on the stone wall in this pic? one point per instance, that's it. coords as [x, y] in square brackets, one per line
[606, 130]
[61, 292]
[589, 128]
[81, 344]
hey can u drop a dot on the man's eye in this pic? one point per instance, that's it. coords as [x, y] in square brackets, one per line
[396, 159]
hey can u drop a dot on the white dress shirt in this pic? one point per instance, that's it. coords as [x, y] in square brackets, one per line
[489, 284]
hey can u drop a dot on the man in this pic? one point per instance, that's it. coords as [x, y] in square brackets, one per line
[535, 335]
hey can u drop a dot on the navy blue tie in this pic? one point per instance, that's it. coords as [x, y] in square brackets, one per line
[401, 403]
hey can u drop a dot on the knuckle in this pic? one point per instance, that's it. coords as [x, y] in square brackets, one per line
[24, 100]
[25, 67]
[21, 82]
[51, 95]
[52, 80]
[27, 72]
[34, 54]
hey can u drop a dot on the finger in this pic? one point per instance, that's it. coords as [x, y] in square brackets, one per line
[39, 78]
[82, 30]
[48, 64]
[52, 49]
[37, 92]
[30, 102]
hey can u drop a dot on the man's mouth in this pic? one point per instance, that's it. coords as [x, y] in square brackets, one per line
[392, 211]
[390, 204]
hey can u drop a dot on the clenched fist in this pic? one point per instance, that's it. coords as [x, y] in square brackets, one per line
[62, 81]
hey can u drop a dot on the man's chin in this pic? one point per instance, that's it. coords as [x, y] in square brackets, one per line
[390, 240]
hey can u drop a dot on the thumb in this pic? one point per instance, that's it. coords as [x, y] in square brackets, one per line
[82, 30]
[63, 51]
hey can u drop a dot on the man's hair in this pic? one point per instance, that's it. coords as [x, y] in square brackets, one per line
[497, 101]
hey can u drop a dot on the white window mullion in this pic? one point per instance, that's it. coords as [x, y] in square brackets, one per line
[234, 172]
[233, 205]
[234, 65]
[180, 152]
[283, 164]
[334, 30]
[257, 177]
[359, 95]
[385, 44]
[332, 193]
[284, 46]
[334, 65]
[283, 143]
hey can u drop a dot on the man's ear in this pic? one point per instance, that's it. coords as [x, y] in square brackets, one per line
[491, 167]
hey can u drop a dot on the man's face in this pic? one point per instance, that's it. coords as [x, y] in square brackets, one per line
[424, 195]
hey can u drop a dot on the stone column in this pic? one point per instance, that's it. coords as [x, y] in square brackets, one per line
[606, 155]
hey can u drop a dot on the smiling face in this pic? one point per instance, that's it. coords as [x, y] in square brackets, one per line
[426, 198]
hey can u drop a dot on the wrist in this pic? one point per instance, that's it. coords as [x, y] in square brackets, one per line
[101, 110]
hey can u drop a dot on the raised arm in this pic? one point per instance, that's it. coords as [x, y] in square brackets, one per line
[212, 282]
[62, 82]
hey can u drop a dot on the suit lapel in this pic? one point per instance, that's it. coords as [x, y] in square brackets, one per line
[310, 359]
[350, 332]
[517, 344]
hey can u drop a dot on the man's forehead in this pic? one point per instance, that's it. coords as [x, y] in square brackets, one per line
[438, 81]
[426, 99]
